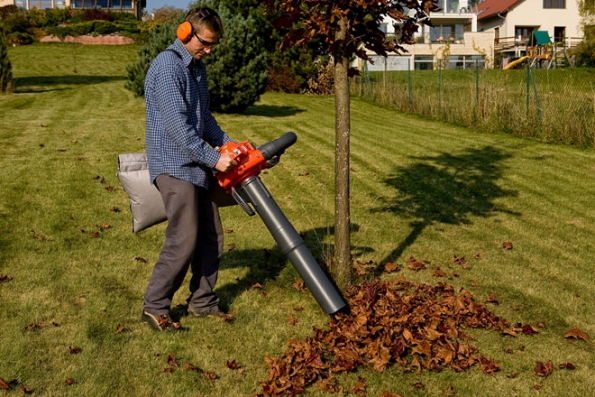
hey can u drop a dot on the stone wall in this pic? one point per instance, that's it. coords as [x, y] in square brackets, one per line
[105, 40]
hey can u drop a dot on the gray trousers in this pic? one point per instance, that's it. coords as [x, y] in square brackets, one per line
[193, 238]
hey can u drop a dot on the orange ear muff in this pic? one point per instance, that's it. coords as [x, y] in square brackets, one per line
[184, 32]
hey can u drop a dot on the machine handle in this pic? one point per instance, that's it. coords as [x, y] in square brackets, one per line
[277, 147]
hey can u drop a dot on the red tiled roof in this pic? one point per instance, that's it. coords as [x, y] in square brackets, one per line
[490, 8]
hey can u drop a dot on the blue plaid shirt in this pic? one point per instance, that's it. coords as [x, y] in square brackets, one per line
[181, 131]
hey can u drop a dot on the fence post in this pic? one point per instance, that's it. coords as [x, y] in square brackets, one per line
[531, 81]
[477, 82]
[528, 88]
[409, 79]
[439, 88]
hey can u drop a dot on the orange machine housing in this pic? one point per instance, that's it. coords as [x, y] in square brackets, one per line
[250, 162]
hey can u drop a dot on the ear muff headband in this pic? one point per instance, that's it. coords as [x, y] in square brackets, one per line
[185, 31]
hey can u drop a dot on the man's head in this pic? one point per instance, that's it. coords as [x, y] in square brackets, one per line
[200, 31]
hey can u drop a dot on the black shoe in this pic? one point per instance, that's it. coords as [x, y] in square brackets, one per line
[159, 322]
[217, 313]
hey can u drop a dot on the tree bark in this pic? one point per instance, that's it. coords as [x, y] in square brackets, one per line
[342, 271]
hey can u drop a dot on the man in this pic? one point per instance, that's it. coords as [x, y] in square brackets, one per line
[181, 135]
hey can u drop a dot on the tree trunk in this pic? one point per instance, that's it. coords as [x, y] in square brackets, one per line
[342, 271]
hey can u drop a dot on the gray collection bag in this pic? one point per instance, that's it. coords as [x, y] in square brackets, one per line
[146, 203]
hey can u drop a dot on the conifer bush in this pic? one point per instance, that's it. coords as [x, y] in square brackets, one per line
[238, 66]
[160, 38]
[5, 65]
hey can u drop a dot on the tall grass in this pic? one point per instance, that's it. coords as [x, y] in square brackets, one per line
[418, 188]
[552, 105]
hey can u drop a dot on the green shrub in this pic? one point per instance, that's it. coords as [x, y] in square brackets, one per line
[16, 24]
[96, 14]
[128, 26]
[238, 67]
[104, 27]
[5, 65]
[160, 38]
[37, 17]
[82, 28]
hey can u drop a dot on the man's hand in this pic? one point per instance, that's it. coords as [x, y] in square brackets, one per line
[225, 163]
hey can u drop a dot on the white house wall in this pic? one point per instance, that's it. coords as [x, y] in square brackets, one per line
[531, 13]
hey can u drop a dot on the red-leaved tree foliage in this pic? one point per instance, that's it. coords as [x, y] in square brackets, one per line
[346, 29]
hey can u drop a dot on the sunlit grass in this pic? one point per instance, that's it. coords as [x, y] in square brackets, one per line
[418, 188]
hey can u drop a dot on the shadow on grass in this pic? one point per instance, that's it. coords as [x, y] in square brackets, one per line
[50, 83]
[268, 263]
[272, 111]
[447, 189]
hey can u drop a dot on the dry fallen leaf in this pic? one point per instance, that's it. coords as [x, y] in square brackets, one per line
[4, 279]
[566, 366]
[542, 369]
[414, 264]
[299, 284]
[359, 388]
[171, 360]
[4, 385]
[233, 364]
[391, 267]
[74, 350]
[507, 245]
[577, 333]
[191, 367]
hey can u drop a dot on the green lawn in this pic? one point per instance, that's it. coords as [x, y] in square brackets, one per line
[418, 188]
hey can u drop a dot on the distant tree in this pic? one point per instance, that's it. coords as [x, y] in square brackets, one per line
[346, 29]
[5, 65]
[585, 53]
[167, 14]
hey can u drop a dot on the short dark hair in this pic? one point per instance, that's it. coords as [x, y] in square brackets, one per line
[205, 18]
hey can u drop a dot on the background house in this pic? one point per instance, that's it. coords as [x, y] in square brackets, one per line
[453, 42]
[134, 6]
[464, 36]
[514, 22]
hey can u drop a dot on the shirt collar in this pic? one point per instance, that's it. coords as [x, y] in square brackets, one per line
[180, 49]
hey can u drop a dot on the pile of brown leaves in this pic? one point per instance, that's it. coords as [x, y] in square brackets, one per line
[417, 326]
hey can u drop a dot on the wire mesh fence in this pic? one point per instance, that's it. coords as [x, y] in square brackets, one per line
[553, 105]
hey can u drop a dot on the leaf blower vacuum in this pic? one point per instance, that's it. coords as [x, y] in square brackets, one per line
[246, 187]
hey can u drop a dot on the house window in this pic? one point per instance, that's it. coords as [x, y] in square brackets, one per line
[466, 61]
[522, 34]
[443, 33]
[554, 3]
[40, 4]
[424, 62]
[114, 4]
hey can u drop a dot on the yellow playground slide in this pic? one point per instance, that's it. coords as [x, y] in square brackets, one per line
[517, 62]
